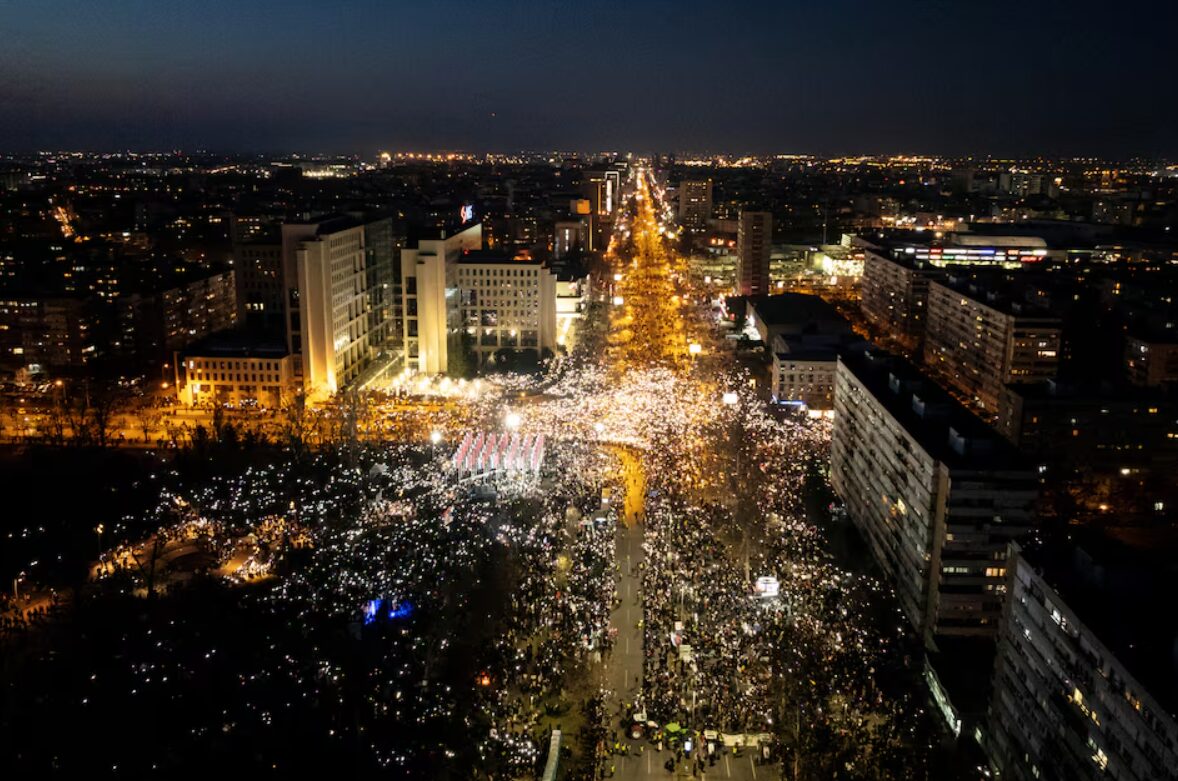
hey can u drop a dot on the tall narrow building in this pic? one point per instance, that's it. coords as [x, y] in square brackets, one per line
[695, 203]
[753, 239]
[429, 280]
[327, 305]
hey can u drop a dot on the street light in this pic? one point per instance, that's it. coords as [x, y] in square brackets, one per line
[435, 437]
[730, 398]
[16, 586]
[512, 420]
[618, 300]
[695, 348]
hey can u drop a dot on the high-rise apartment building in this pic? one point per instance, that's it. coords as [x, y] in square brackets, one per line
[569, 236]
[695, 203]
[978, 340]
[894, 295]
[382, 264]
[1151, 360]
[601, 188]
[935, 492]
[753, 242]
[1085, 684]
[257, 266]
[42, 334]
[147, 325]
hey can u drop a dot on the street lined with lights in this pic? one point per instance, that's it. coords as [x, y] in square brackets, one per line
[622, 547]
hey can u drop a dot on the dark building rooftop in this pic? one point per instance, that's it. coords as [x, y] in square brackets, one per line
[239, 343]
[1002, 291]
[494, 256]
[939, 424]
[1122, 582]
[797, 308]
[334, 223]
[1113, 392]
[419, 233]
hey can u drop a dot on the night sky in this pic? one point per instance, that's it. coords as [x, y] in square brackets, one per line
[819, 76]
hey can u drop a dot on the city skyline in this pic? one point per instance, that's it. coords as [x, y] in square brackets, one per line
[755, 78]
[558, 391]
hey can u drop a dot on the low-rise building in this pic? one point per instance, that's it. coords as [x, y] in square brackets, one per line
[794, 315]
[236, 368]
[805, 378]
[804, 335]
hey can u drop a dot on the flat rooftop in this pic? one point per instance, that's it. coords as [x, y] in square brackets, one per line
[492, 256]
[996, 289]
[1113, 391]
[239, 343]
[929, 414]
[1122, 582]
[420, 233]
[790, 308]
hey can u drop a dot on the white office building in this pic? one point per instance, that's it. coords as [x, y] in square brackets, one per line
[507, 305]
[327, 311]
[429, 286]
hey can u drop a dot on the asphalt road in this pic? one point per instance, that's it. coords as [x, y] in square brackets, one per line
[623, 667]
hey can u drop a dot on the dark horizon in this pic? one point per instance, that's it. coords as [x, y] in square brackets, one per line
[367, 155]
[1007, 80]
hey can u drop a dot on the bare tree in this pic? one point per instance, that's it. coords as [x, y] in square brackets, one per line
[149, 416]
[104, 403]
[297, 423]
[148, 563]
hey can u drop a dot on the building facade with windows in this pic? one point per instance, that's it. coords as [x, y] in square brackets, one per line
[935, 492]
[506, 305]
[894, 296]
[235, 374]
[754, 239]
[433, 320]
[695, 203]
[978, 342]
[328, 305]
[1151, 361]
[1085, 677]
[257, 267]
[804, 378]
[40, 334]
